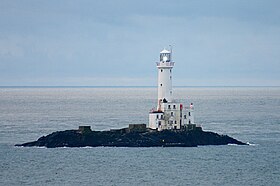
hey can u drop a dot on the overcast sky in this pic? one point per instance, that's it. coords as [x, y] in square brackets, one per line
[117, 42]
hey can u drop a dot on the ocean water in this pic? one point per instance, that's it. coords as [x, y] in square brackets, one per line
[250, 114]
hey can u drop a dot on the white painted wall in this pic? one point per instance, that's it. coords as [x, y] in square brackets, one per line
[156, 120]
[165, 83]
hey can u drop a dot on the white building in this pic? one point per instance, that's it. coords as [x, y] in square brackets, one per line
[169, 113]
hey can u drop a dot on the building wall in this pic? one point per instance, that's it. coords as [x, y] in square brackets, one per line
[174, 116]
[156, 120]
[188, 116]
[164, 83]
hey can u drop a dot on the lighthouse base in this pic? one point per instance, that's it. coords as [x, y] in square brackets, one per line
[171, 115]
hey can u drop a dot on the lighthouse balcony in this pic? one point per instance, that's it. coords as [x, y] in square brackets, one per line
[165, 64]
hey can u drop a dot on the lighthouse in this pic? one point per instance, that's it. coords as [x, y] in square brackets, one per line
[165, 66]
[169, 114]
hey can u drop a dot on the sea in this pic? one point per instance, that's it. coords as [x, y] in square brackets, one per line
[249, 114]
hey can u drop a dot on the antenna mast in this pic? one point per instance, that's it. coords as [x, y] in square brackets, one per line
[170, 53]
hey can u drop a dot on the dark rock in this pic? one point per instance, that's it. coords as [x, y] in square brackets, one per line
[124, 138]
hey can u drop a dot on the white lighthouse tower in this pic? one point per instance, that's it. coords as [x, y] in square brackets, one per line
[165, 66]
[169, 113]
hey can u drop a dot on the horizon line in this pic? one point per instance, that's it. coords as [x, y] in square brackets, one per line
[116, 86]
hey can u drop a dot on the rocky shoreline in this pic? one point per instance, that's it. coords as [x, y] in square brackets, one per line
[131, 137]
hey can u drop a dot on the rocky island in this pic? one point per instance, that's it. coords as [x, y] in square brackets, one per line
[171, 124]
[136, 135]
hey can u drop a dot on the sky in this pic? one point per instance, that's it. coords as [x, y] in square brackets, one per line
[117, 42]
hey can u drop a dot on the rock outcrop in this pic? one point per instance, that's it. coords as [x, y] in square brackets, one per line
[131, 138]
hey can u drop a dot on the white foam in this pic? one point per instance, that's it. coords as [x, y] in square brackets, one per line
[251, 144]
[37, 147]
[232, 144]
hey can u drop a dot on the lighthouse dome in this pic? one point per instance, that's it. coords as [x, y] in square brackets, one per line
[164, 51]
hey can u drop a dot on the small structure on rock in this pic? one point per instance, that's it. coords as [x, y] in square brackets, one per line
[84, 129]
[137, 128]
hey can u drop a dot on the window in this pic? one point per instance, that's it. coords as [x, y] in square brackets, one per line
[189, 121]
[161, 116]
[161, 85]
[175, 122]
[189, 113]
[169, 107]
[171, 113]
[174, 106]
[159, 123]
[157, 116]
[170, 77]
[171, 122]
[185, 116]
[161, 70]
[170, 71]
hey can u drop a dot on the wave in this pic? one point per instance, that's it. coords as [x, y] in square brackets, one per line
[251, 144]
[37, 147]
[231, 144]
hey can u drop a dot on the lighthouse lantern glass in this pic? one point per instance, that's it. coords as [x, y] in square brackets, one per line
[165, 57]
